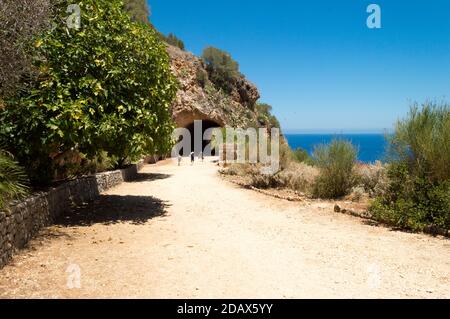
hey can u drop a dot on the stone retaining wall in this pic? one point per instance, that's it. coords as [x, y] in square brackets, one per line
[24, 219]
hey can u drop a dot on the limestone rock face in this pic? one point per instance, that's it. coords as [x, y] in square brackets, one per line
[248, 93]
[198, 99]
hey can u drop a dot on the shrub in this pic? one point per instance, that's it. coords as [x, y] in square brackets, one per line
[263, 181]
[293, 175]
[335, 162]
[285, 153]
[13, 180]
[302, 156]
[173, 40]
[222, 69]
[418, 193]
[104, 87]
[413, 202]
[137, 9]
[201, 77]
[265, 118]
[421, 141]
[237, 170]
[373, 178]
[298, 176]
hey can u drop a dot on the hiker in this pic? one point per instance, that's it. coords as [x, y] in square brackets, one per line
[192, 158]
[179, 160]
[201, 156]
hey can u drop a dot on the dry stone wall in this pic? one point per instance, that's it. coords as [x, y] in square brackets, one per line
[24, 219]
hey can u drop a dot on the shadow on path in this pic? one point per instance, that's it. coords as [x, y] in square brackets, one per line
[148, 177]
[112, 209]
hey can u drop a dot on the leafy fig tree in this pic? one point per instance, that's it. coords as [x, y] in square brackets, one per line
[105, 86]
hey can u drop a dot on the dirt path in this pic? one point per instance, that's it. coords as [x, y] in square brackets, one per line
[182, 232]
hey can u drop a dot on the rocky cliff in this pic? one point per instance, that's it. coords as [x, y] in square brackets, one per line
[198, 99]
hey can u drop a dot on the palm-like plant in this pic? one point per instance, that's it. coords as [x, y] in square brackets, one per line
[13, 180]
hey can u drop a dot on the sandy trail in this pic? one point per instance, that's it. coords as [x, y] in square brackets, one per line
[182, 232]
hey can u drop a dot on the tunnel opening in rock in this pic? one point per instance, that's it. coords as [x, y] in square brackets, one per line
[205, 125]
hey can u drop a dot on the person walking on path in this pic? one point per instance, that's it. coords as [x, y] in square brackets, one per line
[179, 160]
[192, 158]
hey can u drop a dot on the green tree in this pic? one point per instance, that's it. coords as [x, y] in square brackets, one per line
[138, 10]
[104, 87]
[173, 40]
[265, 117]
[222, 69]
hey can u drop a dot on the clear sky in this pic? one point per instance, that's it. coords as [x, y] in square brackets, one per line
[316, 61]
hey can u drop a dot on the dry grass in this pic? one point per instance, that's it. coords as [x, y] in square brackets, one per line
[298, 176]
[372, 178]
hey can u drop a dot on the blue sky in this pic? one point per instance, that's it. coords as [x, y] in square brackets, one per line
[316, 61]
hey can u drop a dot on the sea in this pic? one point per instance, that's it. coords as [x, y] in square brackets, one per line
[371, 147]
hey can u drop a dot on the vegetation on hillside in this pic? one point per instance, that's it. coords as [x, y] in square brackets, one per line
[138, 10]
[222, 69]
[172, 39]
[302, 156]
[265, 116]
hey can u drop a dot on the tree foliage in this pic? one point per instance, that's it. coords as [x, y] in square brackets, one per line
[172, 39]
[13, 179]
[20, 22]
[138, 10]
[265, 116]
[104, 87]
[418, 194]
[222, 69]
[422, 141]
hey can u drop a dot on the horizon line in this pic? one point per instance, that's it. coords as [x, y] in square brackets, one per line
[338, 131]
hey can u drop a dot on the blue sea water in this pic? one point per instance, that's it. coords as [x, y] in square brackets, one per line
[371, 147]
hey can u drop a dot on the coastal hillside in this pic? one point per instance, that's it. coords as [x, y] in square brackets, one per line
[199, 99]
[216, 92]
